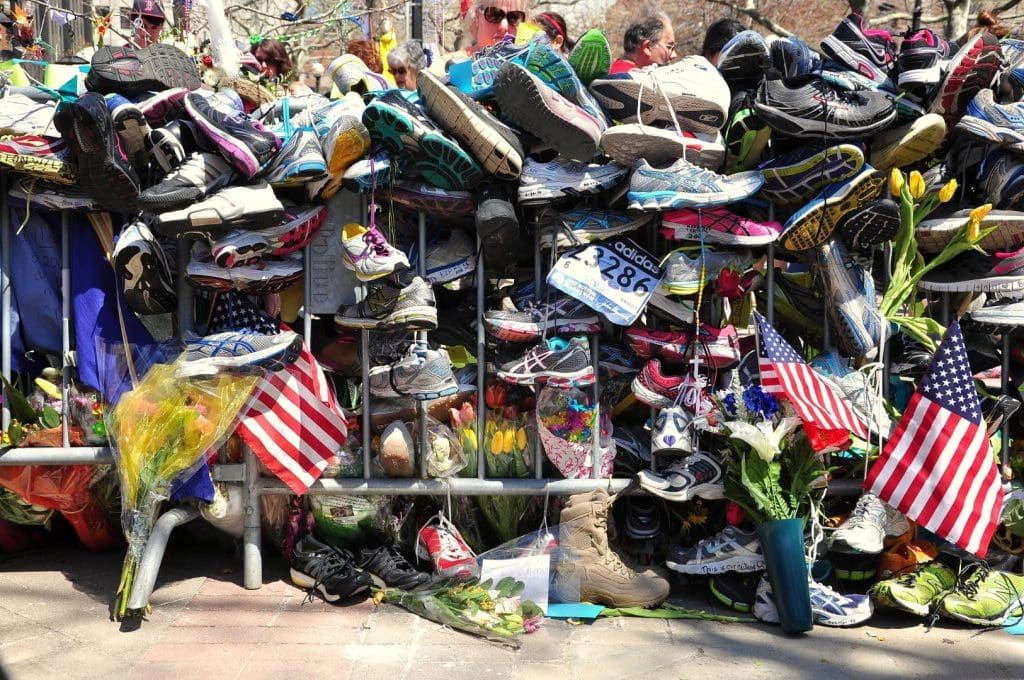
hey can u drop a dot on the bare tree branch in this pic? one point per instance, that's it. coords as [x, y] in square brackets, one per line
[749, 9]
[1009, 4]
[904, 16]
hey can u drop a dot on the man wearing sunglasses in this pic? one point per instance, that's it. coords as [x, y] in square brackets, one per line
[148, 18]
[649, 41]
[495, 19]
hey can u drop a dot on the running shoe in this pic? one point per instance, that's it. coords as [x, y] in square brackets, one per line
[252, 206]
[746, 134]
[717, 225]
[685, 185]
[828, 607]
[243, 142]
[876, 223]
[972, 69]
[389, 568]
[329, 571]
[905, 556]
[299, 161]
[164, 106]
[244, 246]
[865, 530]
[238, 352]
[442, 544]
[736, 591]
[1001, 124]
[814, 223]
[670, 435]
[591, 56]
[497, 227]
[972, 272]
[424, 374]
[367, 253]
[564, 316]
[476, 76]
[798, 176]
[586, 225]
[262, 277]
[562, 178]
[555, 71]
[907, 144]
[654, 387]
[810, 106]
[984, 597]
[350, 74]
[791, 56]
[630, 142]
[46, 158]
[744, 59]
[684, 267]
[430, 200]
[918, 591]
[870, 52]
[699, 475]
[450, 259]
[555, 362]
[142, 266]
[129, 70]
[849, 293]
[919, 63]
[718, 347]
[131, 128]
[199, 176]
[731, 549]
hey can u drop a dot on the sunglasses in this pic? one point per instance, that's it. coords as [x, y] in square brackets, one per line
[494, 15]
[400, 71]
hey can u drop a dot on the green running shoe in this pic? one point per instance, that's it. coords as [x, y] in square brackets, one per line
[985, 597]
[916, 591]
[746, 135]
[591, 56]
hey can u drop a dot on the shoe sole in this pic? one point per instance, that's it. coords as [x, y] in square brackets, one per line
[690, 232]
[814, 225]
[591, 57]
[742, 607]
[349, 146]
[657, 147]
[307, 582]
[174, 200]
[913, 143]
[949, 103]
[146, 291]
[670, 200]
[526, 332]
[494, 153]
[523, 102]
[914, 608]
[620, 98]
[422, 318]
[752, 62]
[131, 126]
[98, 174]
[934, 235]
[210, 224]
[740, 564]
[431, 394]
[578, 378]
[711, 492]
[801, 181]
[999, 620]
[869, 227]
[49, 169]
[121, 70]
[441, 161]
[989, 284]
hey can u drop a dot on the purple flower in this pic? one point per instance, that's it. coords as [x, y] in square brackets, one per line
[730, 404]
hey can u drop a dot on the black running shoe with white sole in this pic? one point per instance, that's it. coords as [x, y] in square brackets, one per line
[388, 567]
[141, 265]
[810, 106]
[329, 571]
[875, 223]
[131, 70]
[200, 175]
[242, 141]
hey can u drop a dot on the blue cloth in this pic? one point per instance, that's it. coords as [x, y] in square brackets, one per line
[35, 284]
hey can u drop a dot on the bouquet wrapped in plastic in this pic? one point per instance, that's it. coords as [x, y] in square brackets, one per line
[566, 419]
[158, 430]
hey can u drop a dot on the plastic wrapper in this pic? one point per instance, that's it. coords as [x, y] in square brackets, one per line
[565, 423]
[17, 510]
[227, 511]
[445, 457]
[158, 430]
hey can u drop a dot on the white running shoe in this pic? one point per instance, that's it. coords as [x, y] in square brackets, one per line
[368, 253]
[866, 529]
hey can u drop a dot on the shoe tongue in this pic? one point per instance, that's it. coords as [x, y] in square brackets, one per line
[557, 344]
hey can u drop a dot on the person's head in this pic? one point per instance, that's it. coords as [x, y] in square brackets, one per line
[719, 33]
[274, 57]
[554, 26]
[149, 18]
[367, 51]
[987, 21]
[492, 20]
[650, 41]
[405, 62]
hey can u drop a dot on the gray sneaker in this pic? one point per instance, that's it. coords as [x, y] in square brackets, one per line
[238, 352]
[555, 362]
[424, 374]
[849, 293]
[371, 311]
[731, 549]
[390, 307]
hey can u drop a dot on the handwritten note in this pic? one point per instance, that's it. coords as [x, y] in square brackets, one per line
[532, 571]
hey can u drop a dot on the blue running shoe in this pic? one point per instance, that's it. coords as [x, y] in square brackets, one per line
[828, 607]
[813, 224]
[556, 72]
[1012, 80]
[685, 185]
[744, 59]
[584, 225]
[849, 294]
[797, 176]
[238, 351]
[999, 123]
[475, 76]
[791, 56]
[131, 128]
[300, 160]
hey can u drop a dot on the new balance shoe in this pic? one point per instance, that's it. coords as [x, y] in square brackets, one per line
[745, 136]
[909, 143]
[564, 316]
[628, 143]
[371, 311]
[142, 266]
[442, 544]
[731, 549]
[870, 52]
[104, 170]
[918, 591]
[919, 63]
[717, 225]
[999, 123]
[243, 142]
[562, 178]
[261, 277]
[685, 185]
[244, 246]
[200, 175]
[450, 259]
[717, 347]
[299, 161]
[402, 128]
[391, 569]
[424, 374]
[529, 103]
[874, 224]
[130, 71]
[586, 225]
[865, 530]
[414, 308]
[253, 206]
[849, 293]
[686, 266]
[233, 351]
[327, 570]
[46, 158]
[491, 143]
[828, 607]
[970, 70]
[699, 475]
[744, 59]
[814, 223]
[591, 56]
[367, 253]
[809, 106]
[985, 597]
[798, 176]
[671, 435]
[690, 93]
[556, 362]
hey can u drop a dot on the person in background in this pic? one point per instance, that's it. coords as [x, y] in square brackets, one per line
[149, 18]
[719, 33]
[405, 61]
[274, 58]
[367, 51]
[649, 41]
[493, 20]
[986, 21]
[554, 25]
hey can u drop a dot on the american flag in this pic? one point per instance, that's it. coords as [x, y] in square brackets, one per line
[293, 424]
[938, 468]
[784, 372]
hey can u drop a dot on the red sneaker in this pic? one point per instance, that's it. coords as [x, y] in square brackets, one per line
[718, 347]
[718, 225]
[441, 543]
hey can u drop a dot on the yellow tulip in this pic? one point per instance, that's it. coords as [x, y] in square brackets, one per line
[496, 444]
[521, 439]
[977, 215]
[946, 192]
[896, 182]
[916, 183]
[510, 440]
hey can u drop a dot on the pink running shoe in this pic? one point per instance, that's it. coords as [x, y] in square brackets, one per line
[717, 347]
[243, 246]
[441, 543]
[720, 226]
[368, 253]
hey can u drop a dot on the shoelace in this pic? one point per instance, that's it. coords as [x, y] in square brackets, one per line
[375, 241]
[325, 566]
[612, 558]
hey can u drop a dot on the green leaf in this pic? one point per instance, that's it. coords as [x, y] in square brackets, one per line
[21, 410]
[51, 418]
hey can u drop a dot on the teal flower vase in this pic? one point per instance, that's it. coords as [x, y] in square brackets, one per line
[782, 542]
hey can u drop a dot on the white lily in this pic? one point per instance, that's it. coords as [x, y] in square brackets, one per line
[763, 438]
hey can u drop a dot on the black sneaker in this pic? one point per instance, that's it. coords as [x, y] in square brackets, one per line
[130, 70]
[200, 175]
[868, 51]
[875, 223]
[142, 266]
[744, 59]
[808, 105]
[330, 571]
[919, 63]
[244, 142]
[371, 311]
[736, 590]
[643, 517]
[388, 567]
[498, 227]
[104, 171]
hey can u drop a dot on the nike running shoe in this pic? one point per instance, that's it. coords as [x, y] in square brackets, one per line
[868, 51]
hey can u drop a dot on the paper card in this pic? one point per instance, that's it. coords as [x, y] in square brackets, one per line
[574, 611]
[532, 571]
[1017, 628]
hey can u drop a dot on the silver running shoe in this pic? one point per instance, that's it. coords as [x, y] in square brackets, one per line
[731, 549]
[424, 374]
